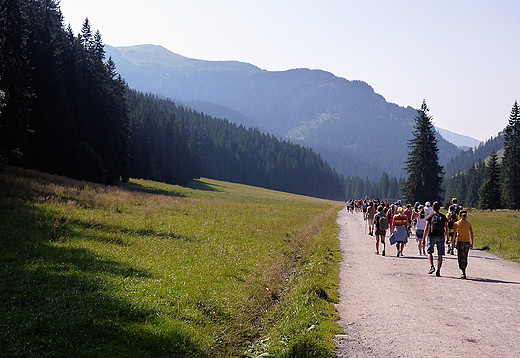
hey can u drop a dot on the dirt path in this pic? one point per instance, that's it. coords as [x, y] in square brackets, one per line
[391, 307]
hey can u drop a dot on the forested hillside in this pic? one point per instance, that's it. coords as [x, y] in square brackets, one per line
[221, 150]
[492, 182]
[65, 110]
[468, 157]
[345, 121]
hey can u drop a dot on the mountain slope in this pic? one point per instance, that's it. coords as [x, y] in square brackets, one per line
[355, 129]
[462, 141]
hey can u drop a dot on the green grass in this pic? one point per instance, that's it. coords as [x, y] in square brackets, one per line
[153, 270]
[497, 232]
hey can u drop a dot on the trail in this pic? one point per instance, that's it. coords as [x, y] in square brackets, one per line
[391, 307]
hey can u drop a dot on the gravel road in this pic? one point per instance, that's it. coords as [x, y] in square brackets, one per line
[391, 307]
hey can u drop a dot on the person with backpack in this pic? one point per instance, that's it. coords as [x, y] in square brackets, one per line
[458, 207]
[399, 230]
[381, 225]
[436, 228]
[465, 232]
[452, 219]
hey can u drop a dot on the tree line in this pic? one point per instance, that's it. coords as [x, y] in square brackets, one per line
[221, 150]
[65, 110]
[493, 184]
[487, 186]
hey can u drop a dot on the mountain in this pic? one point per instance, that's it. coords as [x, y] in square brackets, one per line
[355, 129]
[462, 141]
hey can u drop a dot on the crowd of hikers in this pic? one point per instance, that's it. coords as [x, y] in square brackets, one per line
[430, 227]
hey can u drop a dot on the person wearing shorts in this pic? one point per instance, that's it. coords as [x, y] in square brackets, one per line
[420, 218]
[371, 211]
[380, 233]
[436, 229]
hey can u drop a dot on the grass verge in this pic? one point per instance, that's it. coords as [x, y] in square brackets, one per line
[153, 270]
[497, 232]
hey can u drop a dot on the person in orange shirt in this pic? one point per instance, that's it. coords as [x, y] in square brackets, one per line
[398, 228]
[465, 232]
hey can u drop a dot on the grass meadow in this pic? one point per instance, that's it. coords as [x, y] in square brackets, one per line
[146, 269]
[497, 232]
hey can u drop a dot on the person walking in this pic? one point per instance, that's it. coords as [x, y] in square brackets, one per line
[420, 218]
[436, 228]
[409, 213]
[428, 208]
[371, 212]
[398, 227]
[381, 225]
[452, 219]
[465, 232]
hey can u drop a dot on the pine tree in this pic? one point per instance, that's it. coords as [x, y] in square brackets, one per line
[474, 178]
[14, 81]
[423, 168]
[489, 192]
[511, 161]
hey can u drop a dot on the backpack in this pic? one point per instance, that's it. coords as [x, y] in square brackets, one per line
[437, 224]
[452, 220]
[382, 222]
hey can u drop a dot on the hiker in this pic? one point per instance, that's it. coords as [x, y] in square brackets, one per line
[465, 232]
[458, 207]
[428, 208]
[409, 212]
[420, 238]
[381, 225]
[371, 211]
[398, 227]
[436, 228]
[452, 219]
[415, 213]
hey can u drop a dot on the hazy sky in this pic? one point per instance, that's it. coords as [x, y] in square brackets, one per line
[461, 56]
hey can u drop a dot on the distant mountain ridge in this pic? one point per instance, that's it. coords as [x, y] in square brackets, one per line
[462, 141]
[355, 129]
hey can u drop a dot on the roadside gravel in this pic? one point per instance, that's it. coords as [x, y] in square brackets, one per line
[391, 307]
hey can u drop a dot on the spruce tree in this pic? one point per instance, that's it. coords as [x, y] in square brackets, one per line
[489, 192]
[15, 81]
[423, 168]
[511, 161]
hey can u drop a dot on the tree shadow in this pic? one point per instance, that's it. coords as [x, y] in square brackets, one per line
[199, 185]
[58, 300]
[137, 187]
[115, 234]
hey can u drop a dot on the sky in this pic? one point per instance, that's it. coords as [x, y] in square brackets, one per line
[461, 56]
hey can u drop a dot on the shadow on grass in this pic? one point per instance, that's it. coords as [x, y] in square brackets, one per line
[57, 301]
[132, 186]
[199, 185]
[111, 234]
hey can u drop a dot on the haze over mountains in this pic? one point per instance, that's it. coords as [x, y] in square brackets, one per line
[355, 129]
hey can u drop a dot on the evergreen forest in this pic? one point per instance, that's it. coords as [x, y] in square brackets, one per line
[491, 178]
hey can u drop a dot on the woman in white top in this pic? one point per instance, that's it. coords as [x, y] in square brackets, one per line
[420, 238]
